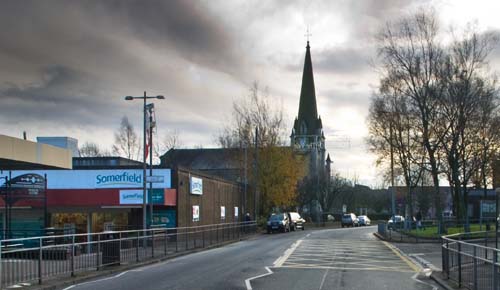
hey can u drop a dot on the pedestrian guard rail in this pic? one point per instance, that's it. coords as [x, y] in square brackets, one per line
[37, 259]
[471, 260]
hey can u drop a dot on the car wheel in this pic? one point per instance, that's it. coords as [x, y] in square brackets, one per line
[303, 228]
[268, 232]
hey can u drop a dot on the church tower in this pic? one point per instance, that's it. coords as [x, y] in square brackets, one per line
[307, 134]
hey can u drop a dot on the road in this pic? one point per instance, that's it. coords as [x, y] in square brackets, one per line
[317, 259]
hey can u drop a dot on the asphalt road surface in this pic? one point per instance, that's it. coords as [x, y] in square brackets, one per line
[320, 259]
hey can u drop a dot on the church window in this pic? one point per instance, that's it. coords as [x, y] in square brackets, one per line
[303, 128]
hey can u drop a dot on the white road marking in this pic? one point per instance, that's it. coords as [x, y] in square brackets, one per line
[100, 280]
[414, 277]
[247, 281]
[278, 263]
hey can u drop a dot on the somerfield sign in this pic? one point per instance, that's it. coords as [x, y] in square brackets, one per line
[124, 179]
[96, 179]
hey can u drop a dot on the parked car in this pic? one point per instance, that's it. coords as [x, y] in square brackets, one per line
[278, 222]
[349, 220]
[396, 223]
[296, 221]
[364, 220]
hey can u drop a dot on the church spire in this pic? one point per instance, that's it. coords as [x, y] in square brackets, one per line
[308, 112]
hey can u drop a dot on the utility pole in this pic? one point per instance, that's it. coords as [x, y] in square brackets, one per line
[144, 160]
[151, 126]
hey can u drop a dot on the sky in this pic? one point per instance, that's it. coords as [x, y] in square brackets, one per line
[65, 66]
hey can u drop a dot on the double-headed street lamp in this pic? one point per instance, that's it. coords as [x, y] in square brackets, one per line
[144, 189]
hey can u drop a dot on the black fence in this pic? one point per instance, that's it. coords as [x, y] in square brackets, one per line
[28, 260]
[471, 260]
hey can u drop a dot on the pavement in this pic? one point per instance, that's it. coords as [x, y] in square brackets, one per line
[427, 255]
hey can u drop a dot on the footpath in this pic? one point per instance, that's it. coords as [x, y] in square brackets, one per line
[426, 254]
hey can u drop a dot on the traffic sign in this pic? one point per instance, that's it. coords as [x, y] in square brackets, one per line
[154, 179]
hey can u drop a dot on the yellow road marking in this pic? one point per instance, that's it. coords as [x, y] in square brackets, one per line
[410, 263]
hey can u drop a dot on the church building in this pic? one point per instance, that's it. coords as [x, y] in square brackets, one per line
[307, 134]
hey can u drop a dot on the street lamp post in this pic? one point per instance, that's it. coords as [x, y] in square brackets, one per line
[144, 164]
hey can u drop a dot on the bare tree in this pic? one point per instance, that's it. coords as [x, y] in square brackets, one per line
[467, 106]
[411, 53]
[448, 101]
[275, 170]
[127, 143]
[91, 149]
[252, 112]
[171, 140]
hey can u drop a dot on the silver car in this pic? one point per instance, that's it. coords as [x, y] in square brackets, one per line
[364, 220]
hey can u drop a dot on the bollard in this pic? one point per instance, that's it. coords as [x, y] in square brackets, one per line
[98, 250]
[40, 253]
[120, 246]
[495, 270]
[166, 243]
[137, 248]
[152, 243]
[474, 274]
[1, 274]
[176, 240]
[72, 256]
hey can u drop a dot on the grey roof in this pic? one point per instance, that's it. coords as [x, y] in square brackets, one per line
[203, 159]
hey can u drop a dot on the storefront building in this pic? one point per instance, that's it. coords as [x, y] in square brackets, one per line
[93, 200]
[88, 200]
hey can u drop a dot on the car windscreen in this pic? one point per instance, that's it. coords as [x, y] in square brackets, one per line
[276, 218]
[346, 216]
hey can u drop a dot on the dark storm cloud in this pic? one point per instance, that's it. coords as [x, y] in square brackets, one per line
[344, 60]
[340, 60]
[58, 96]
[184, 25]
[366, 17]
[348, 95]
[62, 60]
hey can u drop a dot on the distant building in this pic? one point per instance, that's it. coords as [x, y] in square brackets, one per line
[426, 193]
[227, 163]
[61, 142]
[106, 162]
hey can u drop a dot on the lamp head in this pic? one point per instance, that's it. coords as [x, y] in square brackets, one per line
[129, 98]
[160, 97]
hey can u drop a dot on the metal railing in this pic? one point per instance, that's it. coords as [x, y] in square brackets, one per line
[413, 232]
[34, 260]
[471, 260]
